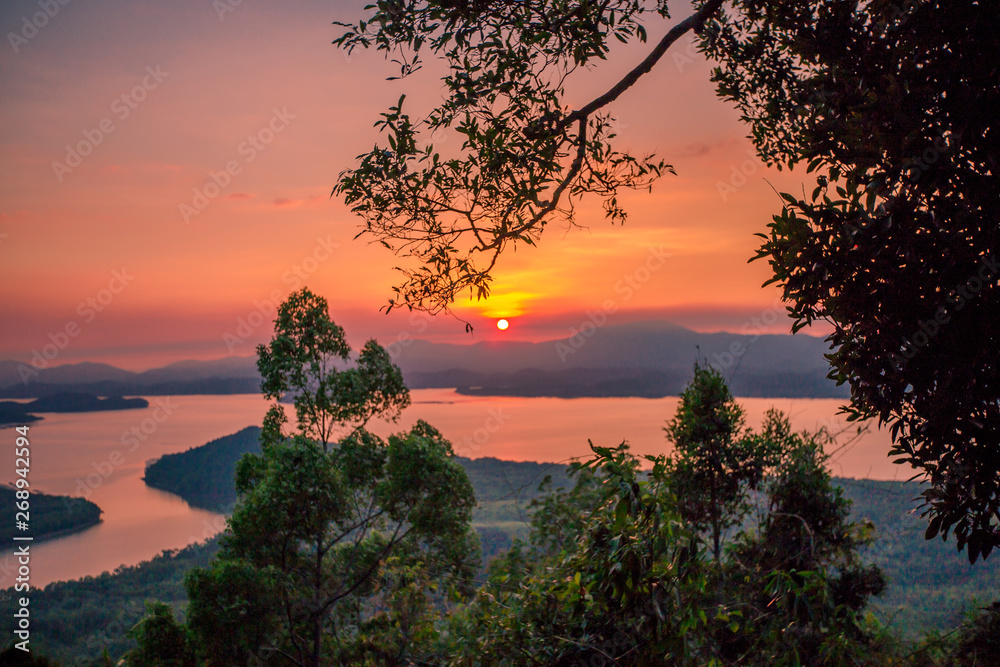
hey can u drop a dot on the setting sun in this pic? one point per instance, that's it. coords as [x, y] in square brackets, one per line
[502, 325]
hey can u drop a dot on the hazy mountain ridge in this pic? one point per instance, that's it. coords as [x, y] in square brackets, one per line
[638, 359]
[229, 375]
[89, 372]
[648, 345]
[648, 359]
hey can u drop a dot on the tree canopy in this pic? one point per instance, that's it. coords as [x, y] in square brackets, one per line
[891, 104]
[337, 549]
[894, 106]
[715, 462]
[526, 159]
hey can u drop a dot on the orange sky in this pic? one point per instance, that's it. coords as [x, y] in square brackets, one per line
[161, 95]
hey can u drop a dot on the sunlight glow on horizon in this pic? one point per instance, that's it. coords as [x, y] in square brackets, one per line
[271, 227]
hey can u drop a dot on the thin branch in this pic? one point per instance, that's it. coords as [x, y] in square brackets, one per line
[675, 33]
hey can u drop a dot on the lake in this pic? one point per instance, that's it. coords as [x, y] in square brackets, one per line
[102, 455]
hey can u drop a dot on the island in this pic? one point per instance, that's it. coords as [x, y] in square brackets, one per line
[204, 476]
[69, 401]
[15, 414]
[51, 516]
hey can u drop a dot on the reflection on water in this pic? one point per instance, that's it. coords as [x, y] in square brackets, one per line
[557, 429]
[103, 455]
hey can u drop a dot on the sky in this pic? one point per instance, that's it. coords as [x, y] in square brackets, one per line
[166, 172]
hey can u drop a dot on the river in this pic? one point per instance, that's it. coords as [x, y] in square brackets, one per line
[102, 455]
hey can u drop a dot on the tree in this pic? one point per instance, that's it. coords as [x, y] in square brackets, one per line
[162, 641]
[893, 102]
[525, 159]
[798, 575]
[326, 530]
[894, 106]
[616, 572]
[628, 588]
[716, 462]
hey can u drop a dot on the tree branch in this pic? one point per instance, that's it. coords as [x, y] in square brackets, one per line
[692, 22]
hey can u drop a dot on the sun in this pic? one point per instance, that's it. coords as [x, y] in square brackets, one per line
[502, 325]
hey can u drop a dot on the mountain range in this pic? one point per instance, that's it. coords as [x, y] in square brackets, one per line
[638, 359]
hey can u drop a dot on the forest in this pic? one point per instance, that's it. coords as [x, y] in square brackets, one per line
[737, 548]
[930, 586]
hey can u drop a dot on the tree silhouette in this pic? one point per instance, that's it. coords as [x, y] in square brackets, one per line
[333, 523]
[893, 103]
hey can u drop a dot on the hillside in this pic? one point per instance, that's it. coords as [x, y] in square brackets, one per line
[69, 401]
[929, 581]
[66, 401]
[51, 516]
[204, 476]
[74, 621]
[15, 414]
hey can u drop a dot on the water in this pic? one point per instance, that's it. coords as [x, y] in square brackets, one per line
[103, 455]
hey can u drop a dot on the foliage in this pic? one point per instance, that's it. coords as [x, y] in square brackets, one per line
[979, 640]
[525, 158]
[560, 517]
[301, 363]
[615, 571]
[328, 536]
[929, 583]
[715, 462]
[892, 104]
[799, 577]
[624, 590]
[162, 641]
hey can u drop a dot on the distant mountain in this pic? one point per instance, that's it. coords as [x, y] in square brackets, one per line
[186, 371]
[646, 345]
[650, 359]
[13, 372]
[88, 372]
[639, 359]
[230, 375]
